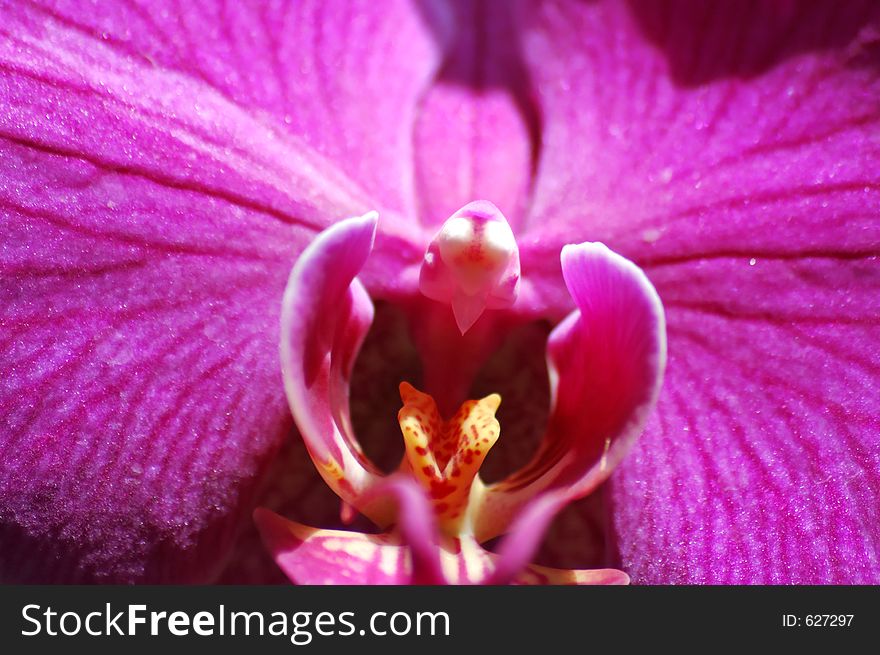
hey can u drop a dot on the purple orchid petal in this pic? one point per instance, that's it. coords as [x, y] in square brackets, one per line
[162, 165]
[287, 65]
[766, 433]
[410, 555]
[416, 525]
[161, 169]
[325, 316]
[312, 556]
[679, 131]
[607, 360]
[476, 125]
[520, 544]
[730, 149]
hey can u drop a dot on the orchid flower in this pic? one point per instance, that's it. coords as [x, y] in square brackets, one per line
[167, 168]
[606, 360]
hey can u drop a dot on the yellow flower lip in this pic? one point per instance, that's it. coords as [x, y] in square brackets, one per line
[445, 456]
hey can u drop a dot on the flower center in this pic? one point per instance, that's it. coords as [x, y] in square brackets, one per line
[445, 455]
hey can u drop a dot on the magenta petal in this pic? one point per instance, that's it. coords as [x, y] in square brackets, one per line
[474, 132]
[730, 149]
[685, 130]
[606, 367]
[325, 316]
[416, 525]
[138, 337]
[410, 555]
[763, 462]
[520, 544]
[312, 556]
[155, 184]
[290, 66]
[608, 360]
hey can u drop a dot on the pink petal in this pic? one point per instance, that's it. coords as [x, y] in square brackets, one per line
[415, 522]
[312, 556]
[685, 130]
[325, 316]
[475, 130]
[412, 554]
[141, 393]
[763, 462]
[408, 556]
[606, 360]
[731, 150]
[344, 78]
[520, 544]
[159, 175]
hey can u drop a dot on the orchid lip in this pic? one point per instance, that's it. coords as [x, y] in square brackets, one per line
[445, 456]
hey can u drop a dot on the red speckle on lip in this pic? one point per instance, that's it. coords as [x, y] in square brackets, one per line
[445, 455]
[441, 489]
